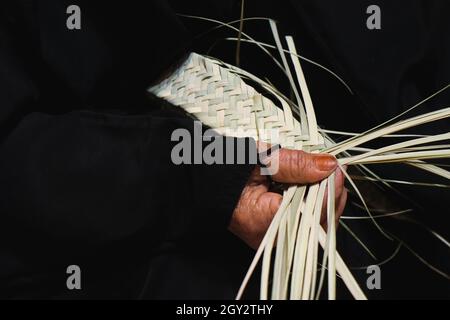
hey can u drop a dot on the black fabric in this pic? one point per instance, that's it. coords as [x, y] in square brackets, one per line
[86, 176]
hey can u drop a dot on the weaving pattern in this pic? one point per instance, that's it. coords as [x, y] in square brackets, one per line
[220, 98]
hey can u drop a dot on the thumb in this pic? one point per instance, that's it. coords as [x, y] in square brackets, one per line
[299, 167]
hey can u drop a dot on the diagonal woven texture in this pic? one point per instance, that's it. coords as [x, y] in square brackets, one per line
[220, 99]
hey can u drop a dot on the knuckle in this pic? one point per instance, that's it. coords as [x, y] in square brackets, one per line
[298, 164]
[301, 159]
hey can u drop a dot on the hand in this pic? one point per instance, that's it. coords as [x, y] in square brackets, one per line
[257, 206]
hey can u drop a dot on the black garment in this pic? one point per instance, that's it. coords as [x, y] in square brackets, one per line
[85, 171]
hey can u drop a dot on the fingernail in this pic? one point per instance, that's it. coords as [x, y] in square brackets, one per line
[325, 162]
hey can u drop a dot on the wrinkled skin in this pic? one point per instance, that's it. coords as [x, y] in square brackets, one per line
[257, 205]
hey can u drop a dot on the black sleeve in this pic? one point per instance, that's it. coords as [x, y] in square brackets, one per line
[86, 179]
[75, 176]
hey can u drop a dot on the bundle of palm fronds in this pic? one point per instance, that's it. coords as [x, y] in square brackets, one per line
[218, 95]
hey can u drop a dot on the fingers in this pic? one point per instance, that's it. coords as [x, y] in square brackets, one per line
[300, 167]
[268, 204]
[339, 180]
[257, 207]
[341, 205]
[254, 213]
[257, 178]
[340, 196]
[339, 183]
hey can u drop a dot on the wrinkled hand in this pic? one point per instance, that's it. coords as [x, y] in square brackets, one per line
[257, 206]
